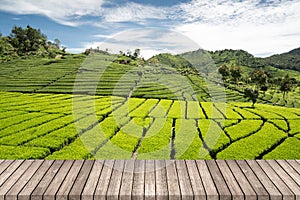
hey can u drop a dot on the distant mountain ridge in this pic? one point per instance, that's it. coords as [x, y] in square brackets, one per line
[289, 60]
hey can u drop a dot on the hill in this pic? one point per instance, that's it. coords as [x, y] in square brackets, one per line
[289, 60]
[26, 42]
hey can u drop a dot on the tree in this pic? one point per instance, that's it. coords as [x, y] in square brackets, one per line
[57, 42]
[136, 53]
[236, 73]
[286, 85]
[264, 88]
[259, 77]
[27, 40]
[63, 48]
[251, 95]
[224, 71]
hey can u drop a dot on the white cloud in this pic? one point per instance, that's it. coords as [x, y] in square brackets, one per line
[257, 39]
[64, 12]
[133, 12]
[261, 29]
[103, 36]
[151, 41]
[76, 50]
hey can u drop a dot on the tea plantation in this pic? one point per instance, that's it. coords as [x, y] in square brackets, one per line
[100, 108]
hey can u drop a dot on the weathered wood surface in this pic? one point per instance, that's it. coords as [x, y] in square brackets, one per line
[150, 179]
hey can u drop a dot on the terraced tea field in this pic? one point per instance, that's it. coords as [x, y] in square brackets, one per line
[99, 108]
[101, 75]
[65, 126]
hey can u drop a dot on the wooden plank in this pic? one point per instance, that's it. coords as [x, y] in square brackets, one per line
[259, 189]
[295, 165]
[17, 187]
[284, 190]
[91, 184]
[115, 181]
[208, 183]
[184, 180]
[196, 182]
[290, 170]
[46, 180]
[218, 179]
[127, 180]
[264, 179]
[34, 181]
[4, 165]
[81, 179]
[13, 178]
[9, 170]
[286, 178]
[150, 180]
[103, 182]
[57, 181]
[66, 186]
[172, 180]
[242, 180]
[161, 180]
[230, 180]
[138, 180]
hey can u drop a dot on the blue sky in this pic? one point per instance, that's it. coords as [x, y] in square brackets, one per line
[262, 27]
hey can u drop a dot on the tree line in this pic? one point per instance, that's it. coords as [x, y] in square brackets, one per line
[257, 81]
[22, 42]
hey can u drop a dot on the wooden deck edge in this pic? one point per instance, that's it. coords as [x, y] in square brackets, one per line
[149, 179]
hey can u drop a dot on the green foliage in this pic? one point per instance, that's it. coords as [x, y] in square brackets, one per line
[254, 145]
[83, 146]
[34, 132]
[161, 109]
[282, 124]
[294, 126]
[243, 129]
[194, 110]
[23, 42]
[144, 109]
[170, 60]
[65, 126]
[213, 136]
[210, 110]
[188, 146]
[177, 110]
[251, 94]
[259, 77]
[289, 149]
[156, 144]
[236, 73]
[224, 71]
[227, 110]
[289, 60]
[15, 153]
[236, 57]
[286, 85]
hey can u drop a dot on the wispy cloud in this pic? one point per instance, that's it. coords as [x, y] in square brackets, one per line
[64, 12]
[260, 28]
[237, 12]
[150, 40]
[133, 12]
